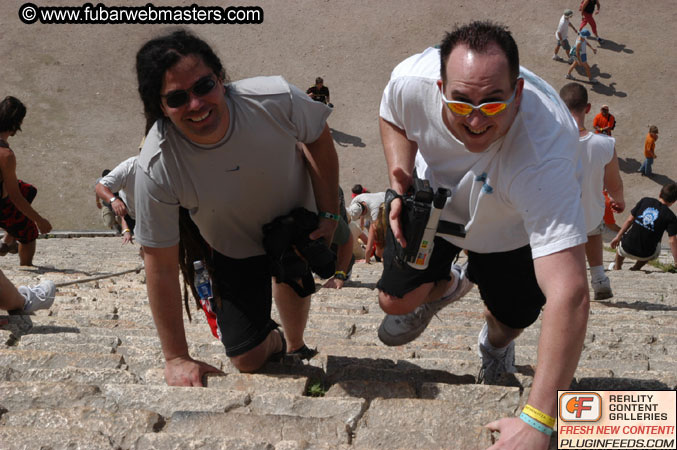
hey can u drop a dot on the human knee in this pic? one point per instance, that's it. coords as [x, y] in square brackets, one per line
[248, 362]
[396, 305]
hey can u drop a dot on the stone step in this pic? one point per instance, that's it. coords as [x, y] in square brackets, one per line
[427, 424]
[20, 395]
[173, 441]
[40, 359]
[21, 438]
[331, 431]
[121, 428]
[166, 400]
[71, 374]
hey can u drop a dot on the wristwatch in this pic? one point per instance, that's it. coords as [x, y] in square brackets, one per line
[112, 199]
[340, 275]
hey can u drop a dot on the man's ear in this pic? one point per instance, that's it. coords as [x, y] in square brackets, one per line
[587, 108]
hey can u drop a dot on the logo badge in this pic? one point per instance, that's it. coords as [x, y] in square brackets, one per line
[580, 407]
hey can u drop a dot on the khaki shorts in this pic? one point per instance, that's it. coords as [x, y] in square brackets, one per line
[625, 254]
[598, 230]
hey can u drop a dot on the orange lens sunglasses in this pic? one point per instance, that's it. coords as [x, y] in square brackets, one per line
[489, 109]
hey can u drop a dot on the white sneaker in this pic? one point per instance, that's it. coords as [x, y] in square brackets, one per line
[602, 288]
[568, 76]
[612, 266]
[496, 364]
[402, 329]
[38, 297]
[556, 58]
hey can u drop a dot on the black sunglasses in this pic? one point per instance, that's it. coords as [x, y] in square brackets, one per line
[203, 86]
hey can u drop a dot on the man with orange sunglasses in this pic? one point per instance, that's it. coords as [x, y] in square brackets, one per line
[471, 120]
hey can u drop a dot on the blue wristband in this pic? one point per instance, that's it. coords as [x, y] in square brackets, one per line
[328, 215]
[536, 424]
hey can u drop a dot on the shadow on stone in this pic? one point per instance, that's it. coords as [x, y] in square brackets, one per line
[345, 140]
[341, 370]
[615, 47]
[617, 384]
[639, 305]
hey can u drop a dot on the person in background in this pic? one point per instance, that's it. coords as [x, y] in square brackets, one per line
[17, 216]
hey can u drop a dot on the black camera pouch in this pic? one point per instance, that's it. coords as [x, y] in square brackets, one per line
[413, 219]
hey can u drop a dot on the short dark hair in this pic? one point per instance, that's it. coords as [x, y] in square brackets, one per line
[319, 80]
[575, 96]
[12, 113]
[478, 36]
[105, 172]
[357, 189]
[669, 193]
[159, 55]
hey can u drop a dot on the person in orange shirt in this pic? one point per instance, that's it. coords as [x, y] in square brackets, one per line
[604, 122]
[649, 151]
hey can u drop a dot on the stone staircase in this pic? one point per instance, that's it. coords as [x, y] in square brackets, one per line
[89, 372]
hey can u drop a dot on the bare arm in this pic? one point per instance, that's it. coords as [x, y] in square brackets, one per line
[343, 256]
[322, 164]
[126, 232]
[106, 194]
[615, 241]
[562, 278]
[400, 154]
[164, 296]
[11, 184]
[369, 251]
[614, 184]
[673, 248]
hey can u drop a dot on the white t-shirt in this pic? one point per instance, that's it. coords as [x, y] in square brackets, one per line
[234, 187]
[562, 28]
[373, 202]
[521, 190]
[596, 151]
[121, 180]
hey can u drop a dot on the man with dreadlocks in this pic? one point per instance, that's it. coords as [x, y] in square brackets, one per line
[227, 153]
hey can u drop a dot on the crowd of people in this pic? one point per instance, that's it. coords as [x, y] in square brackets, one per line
[528, 181]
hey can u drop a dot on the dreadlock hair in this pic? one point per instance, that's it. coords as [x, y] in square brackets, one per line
[159, 55]
[192, 247]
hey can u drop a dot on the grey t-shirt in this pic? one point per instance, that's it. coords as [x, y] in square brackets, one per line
[234, 187]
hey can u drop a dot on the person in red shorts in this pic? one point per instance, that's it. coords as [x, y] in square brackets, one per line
[587, 8]
[17, 216]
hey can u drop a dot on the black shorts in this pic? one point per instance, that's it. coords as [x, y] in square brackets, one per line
[244, 287]
[246, 299]
[506, 280]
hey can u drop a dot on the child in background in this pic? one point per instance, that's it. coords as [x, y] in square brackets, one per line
[640, 236]
[649, 151]
[581, 57]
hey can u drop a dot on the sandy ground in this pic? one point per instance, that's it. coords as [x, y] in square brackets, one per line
[84, 114]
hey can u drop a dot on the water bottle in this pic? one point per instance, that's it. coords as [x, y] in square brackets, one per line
[202, 282]
[203, 286]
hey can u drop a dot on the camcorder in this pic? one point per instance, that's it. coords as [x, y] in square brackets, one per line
[420, 222]
[286, 242]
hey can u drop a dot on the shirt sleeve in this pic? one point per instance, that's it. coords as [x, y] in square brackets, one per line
[548, 197]
[116, 178]
[391, 103]
[672, 227]
[309, 117]
[157, 213]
